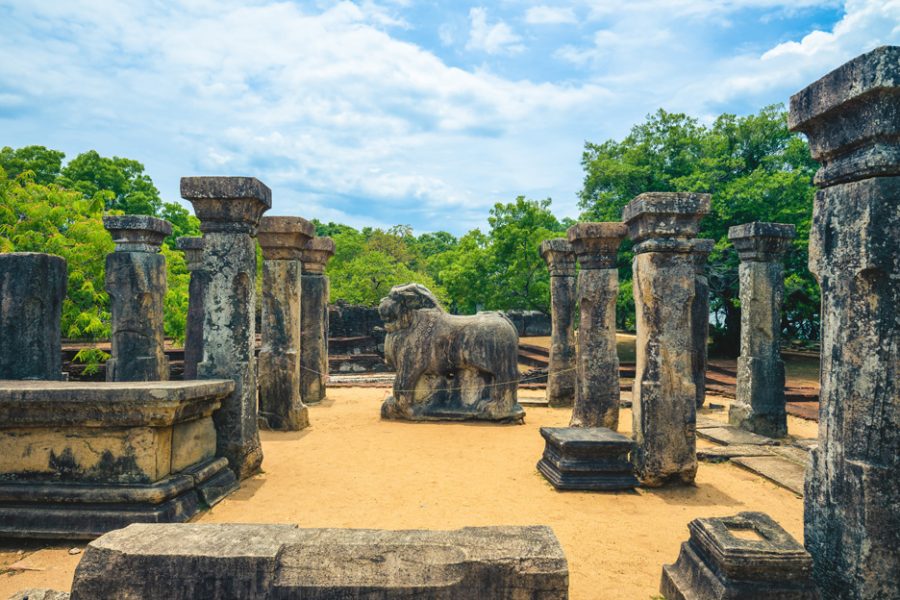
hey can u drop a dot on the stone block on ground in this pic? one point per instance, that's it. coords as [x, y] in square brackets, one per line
[744, 557]
[781, 471]
[587, 458]
[723, 453]
[728, 435]
[184, 562]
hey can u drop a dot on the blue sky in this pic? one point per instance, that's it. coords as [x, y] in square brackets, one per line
[398, 111]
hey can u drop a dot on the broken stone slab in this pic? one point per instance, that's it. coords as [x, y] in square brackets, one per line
[728, 435]
[786, 473]
[744, 557]
[587, 458]
[32, 291]
[792, 453]
[704, 422]
[718, 454]
[82, 458]
[806, 444]
[183, 562]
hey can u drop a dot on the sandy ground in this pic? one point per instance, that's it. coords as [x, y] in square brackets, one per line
[350, 469]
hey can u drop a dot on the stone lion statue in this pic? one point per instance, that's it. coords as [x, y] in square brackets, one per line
[448, 367]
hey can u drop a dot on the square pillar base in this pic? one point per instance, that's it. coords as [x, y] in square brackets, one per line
[587, 458]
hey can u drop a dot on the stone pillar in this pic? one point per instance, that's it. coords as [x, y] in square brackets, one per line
[314, 320]
[229, 209]
[664, 407]
[32, 290]
[852, 498]
[193, 334]
[700, 316]
[561, 378]
[597, 387]
[759, 402]
[136, 284]
[280, 403]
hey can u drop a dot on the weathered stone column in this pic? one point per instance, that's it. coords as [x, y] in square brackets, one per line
[314, 320]
[759, 402]
[597, 387]
[193, 334]
[229, 209]
[561, 378]
[852, 499]
[280, 404]
[700, 316]
[32, 290]
[664, 407]
[136, 284]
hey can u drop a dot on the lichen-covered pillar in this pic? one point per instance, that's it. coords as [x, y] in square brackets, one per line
[700, 317]
[136, 284]
[561, 377]
[314, 320]
[193, 331]
[759, 401]
[664, 405]
[229, 209]
[852, 498]
[32, 290]
[280, 404]
[597, 386]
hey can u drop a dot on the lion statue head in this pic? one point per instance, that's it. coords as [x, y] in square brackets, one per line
[397, 308]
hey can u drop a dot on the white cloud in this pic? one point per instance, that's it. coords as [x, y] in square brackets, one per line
[498, 38]
[549, 15]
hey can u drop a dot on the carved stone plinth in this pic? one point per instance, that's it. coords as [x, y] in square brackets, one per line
[136, 284]
[193, 335]
[597, 388]
[247, 562]
[32, 290]
[314, 319]
[759, 402]
[587, 458]
[229, 209]
[561, 376]
[282, 239]
[80, 459]
[744, 557]
[852, 498]
[664, 407]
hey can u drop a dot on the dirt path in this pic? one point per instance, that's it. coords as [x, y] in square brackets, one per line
[350, 469]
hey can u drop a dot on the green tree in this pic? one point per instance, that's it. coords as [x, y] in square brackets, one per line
[755, 169]
[45, 164]
[121, 181]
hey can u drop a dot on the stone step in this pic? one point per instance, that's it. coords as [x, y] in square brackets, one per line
[781, 471]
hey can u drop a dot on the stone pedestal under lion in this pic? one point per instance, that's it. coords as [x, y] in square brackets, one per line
[448, 367]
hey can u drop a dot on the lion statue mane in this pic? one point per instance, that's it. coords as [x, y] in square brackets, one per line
[448, 367]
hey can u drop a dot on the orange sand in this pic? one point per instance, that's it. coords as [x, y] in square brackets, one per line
[350, 469]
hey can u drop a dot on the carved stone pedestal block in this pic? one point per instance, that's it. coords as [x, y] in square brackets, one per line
[587, 458]
[744, 557]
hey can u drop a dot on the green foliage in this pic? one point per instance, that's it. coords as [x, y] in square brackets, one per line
[45, 164]
[755, 169]
[120, 181]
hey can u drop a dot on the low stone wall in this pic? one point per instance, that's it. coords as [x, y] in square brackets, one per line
[530, 323]
[182, 562]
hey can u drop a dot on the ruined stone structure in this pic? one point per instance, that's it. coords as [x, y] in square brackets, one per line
[280, 404]
[136, 284]
[448, 367]
[193, 335]
[597, 388]
[744, 557]
[32, 290]
[229, 209]
[700, 319]
[80, 459]
[248, 562]
[664, 407]
[530, 322]
[759, 403]
[852, 501]
[561, 378]
[587, 458]
[314, 319]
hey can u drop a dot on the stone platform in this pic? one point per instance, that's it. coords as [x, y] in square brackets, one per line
[181, 562]
[587, 458]
[744, 557]
[80, 459]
